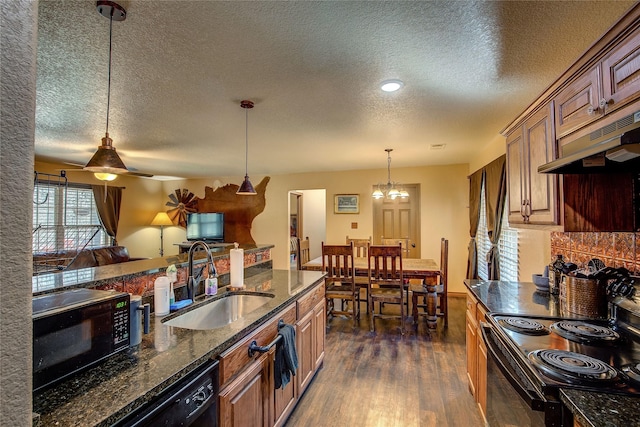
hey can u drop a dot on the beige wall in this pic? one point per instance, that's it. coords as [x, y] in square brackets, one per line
[444, 211]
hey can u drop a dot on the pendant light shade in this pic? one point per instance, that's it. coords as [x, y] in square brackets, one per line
[246, 188]
[390, 190]
[106, 163]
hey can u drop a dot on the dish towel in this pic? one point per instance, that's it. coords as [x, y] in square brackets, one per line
[286, 361]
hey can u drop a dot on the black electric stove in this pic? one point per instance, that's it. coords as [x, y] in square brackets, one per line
[539, 355]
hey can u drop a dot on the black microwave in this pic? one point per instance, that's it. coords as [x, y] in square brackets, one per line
[76, 329]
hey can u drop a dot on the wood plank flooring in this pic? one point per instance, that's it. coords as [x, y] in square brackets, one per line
[387, 380]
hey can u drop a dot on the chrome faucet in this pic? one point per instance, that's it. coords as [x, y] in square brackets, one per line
[192, 287]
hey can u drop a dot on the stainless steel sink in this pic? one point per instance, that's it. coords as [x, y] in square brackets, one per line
[220, 312]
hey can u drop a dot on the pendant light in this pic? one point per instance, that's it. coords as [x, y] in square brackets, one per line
[105, 163]
[390, 190]
[246, 189]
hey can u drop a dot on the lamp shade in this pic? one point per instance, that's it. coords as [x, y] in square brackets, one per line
[161, 218]
[246, 188]
[106, 160]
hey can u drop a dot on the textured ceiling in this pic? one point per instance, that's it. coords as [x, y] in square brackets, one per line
[313, 68]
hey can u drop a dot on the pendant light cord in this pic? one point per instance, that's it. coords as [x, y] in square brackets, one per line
[109, 74]
[246, 141]
[388, 169]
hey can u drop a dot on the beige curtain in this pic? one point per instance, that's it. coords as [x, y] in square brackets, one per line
[475, 186]
[495, 197]
[108, 200]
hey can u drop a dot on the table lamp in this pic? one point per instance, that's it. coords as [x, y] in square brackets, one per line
[161, 219]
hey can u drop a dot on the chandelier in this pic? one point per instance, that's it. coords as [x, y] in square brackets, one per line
[391, 190]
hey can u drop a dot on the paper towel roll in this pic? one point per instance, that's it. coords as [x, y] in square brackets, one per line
[161, 296]
[236, 267]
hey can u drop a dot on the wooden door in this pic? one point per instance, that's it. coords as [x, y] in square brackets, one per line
[579, 103]
[246, 401]
[542, 189]
[306, 356]
[620, 70]
[515, 177]
[399, 219]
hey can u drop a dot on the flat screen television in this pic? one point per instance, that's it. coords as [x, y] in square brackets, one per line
[208, 227]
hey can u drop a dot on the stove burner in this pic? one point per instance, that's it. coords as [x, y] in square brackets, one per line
[572, 367]
[523, 326]
[583, 332]
[633, 371]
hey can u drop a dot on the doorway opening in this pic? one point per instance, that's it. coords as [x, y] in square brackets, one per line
[307, 219]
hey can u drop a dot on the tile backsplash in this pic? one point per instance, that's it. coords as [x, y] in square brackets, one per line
[614, 249]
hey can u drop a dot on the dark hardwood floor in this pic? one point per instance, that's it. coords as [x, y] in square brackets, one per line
[388, 380]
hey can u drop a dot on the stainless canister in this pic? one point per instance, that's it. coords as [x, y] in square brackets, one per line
[139, 319]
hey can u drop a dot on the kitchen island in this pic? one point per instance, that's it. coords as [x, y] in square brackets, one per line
[125, 382]
[589, 409]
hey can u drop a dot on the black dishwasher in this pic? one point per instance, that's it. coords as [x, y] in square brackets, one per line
[192, 401]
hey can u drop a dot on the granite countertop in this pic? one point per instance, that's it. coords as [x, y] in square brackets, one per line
[53, 282]
[106, 393]
[589, 408]
[602, 410]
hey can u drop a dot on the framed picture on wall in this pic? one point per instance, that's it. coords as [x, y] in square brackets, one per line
[346, 204]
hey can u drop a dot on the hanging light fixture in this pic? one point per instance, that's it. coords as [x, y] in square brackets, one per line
[105, 163]
[390, 190]
[246, 188]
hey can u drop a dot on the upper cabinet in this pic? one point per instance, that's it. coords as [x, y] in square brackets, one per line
[606, 78]
[611, 83]
[533, 197]
[578, 104]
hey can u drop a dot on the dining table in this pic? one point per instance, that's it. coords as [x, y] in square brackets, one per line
[424, 271]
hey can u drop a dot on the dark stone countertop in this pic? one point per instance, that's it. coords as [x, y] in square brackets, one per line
[54, 282]
[602, 410]
[591, 409]
[104, 394]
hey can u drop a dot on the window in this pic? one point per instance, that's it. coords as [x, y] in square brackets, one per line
[65, 217]
[507, 246]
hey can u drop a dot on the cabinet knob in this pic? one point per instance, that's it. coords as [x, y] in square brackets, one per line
[604, 103]
[592, 110]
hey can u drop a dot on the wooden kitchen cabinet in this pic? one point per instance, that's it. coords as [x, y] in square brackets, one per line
[247, 400]
[608, 85]
[310, 336]
[472, 343]
[481, 367]
[578, 104]
[533, 197]
[476, 353]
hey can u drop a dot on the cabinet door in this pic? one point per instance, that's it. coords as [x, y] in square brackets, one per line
[319, 328]
[284, 401]
[515, 177]
[541, 201]
[621, 73]
[472, 347]
[246, 401]
[579, 103]
[306, 358]
[481, 368]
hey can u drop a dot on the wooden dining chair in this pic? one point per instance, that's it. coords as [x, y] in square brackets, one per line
[404, 242]
[422, 291]
[303, 252]
[360, 250]
[360, 246]
[386, 282]
[340, 284]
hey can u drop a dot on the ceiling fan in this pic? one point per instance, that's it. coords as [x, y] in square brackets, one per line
[131, 171]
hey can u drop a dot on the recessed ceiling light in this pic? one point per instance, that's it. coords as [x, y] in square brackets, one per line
[391, 85]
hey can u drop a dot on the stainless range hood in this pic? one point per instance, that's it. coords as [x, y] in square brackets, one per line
[612, 148]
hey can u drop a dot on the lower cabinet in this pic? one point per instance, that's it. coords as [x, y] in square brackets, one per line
[476, 353]
[246, 401]
[248, 396]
